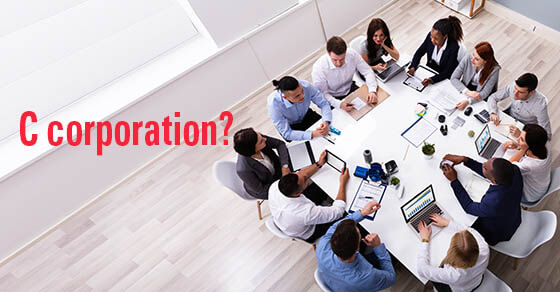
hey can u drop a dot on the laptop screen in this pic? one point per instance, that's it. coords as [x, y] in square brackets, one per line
[482, 139]
[416, 204]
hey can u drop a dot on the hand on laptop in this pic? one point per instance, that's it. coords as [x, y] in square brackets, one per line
[379, 67]
[439, 220]
[424, 230]
[372, 240]
[449, 172]
[347, 106]
[456, 159]
[370, 208]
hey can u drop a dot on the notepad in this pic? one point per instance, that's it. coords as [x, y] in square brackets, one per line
[418, 132]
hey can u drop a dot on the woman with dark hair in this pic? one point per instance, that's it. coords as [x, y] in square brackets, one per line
[477, 75]
[441, 46]
[531, 155]
[258, 165]
[463, 267]
[377, 44]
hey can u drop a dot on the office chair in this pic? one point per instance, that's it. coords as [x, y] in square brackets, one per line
[225, 174]
[320, 282]
[553, 187]
[278, 233]
[536, 229]
[491, 283]
[355, 45]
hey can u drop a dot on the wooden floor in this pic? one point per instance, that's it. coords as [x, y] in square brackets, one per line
[172, 228]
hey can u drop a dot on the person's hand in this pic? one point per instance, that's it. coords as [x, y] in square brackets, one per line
[425, 230]
[462, 104]
[510, 145]
[427, 81]
[344, 177]
[456, 159]
[449, 172]
[372, 98]
[372, 240]
[411, 70]
[473, 94]
[323, 130]
[514, 131]
[379, 67]
[285, 170]
[347, 106]
[439, 220]
[323, 158]
[494, 118]
[523, 144]
[369, 208]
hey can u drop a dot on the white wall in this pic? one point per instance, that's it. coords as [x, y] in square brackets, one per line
[35, 199]
[338, 16]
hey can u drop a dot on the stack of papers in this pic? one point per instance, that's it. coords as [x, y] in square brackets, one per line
[419, 132]
[445, 101]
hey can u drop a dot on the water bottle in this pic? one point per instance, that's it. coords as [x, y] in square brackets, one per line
[367, 157]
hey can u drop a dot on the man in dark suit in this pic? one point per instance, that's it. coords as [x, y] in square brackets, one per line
[499, 211]
[257, 164]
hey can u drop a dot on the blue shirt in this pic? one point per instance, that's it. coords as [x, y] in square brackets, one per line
[358, 275]
[284, 113]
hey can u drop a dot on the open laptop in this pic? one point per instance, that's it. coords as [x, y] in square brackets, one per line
[392, 70]
[485, 144]
[419, 209]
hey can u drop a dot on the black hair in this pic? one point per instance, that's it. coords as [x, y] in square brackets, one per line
[286, 83]
[288, 184]
[450, 26]
[375, 25]
[536, 137]
[345, 239]
[502, 171]
[528, 80]
[336, 45]
[244, 141]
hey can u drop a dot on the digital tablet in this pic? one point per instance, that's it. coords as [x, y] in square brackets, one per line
[335, 162]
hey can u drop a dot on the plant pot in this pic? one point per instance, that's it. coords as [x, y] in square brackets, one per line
[428, 157]
[398, 190]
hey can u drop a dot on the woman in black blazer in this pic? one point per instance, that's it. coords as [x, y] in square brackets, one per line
[258, 165]
[441, 47]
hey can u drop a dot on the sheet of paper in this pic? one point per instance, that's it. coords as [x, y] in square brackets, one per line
[358, 103]
[368, 192]
[419, 132]
[476, 187]
[445, 101]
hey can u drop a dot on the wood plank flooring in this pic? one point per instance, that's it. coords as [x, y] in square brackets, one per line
[170, 227]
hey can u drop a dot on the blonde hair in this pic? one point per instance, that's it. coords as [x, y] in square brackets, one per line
[463, 251]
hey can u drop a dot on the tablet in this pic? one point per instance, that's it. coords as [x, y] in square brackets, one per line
[335, 162]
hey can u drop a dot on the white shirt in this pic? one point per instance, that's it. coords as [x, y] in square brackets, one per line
[336, 81]
[458, 279]
[266, 162]
[436, 56]
[296, 217]
[535, 172]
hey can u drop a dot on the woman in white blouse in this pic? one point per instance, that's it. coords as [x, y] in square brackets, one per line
[477, 75]
[532, 157]
[466, 261]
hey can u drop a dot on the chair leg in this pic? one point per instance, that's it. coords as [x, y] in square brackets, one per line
[524, 208]
[259, 209]
[314, 247]
[515, 261]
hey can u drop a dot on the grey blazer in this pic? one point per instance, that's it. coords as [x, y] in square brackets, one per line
[255, 176]
[464, 73]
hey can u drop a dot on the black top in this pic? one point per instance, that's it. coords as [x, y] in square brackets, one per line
[447, 63]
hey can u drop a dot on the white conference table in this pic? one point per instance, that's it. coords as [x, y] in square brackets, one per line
[380, 131]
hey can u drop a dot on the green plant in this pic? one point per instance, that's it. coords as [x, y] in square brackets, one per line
[395, 180]
[471, 133]
[428, 148]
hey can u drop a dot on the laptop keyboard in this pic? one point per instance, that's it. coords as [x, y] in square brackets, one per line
[491, 149]
[425, 216]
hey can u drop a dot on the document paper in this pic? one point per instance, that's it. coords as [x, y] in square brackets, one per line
[367, 192]
[418, 132]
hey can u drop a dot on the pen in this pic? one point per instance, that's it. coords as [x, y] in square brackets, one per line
[367, 197]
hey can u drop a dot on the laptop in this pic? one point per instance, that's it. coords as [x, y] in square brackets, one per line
[485, 144]
[392, 70]
[419, 209]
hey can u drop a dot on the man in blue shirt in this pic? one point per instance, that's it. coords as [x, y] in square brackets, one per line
[499, 211]
[343, 268]
[288, 107]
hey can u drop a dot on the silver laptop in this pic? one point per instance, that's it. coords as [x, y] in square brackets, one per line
[393, 69]
[485, 144]
[419, 209]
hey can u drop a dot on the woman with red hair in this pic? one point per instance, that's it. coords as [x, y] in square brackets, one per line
[477, 75]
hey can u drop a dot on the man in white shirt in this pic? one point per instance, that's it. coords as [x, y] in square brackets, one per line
[298, 216]
[332, 74]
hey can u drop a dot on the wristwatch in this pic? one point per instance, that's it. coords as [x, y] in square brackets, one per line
[318, 165]
[425, 240]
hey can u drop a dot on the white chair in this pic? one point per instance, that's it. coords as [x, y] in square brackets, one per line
[271, 226]
[553, 187]
[491, 283]
[462, 52]
[355, 45]
[320, 282]
[225, 174]
[536, 228]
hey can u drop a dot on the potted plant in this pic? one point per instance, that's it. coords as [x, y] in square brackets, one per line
[395, 181]
[395, 184]
[428, 150]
